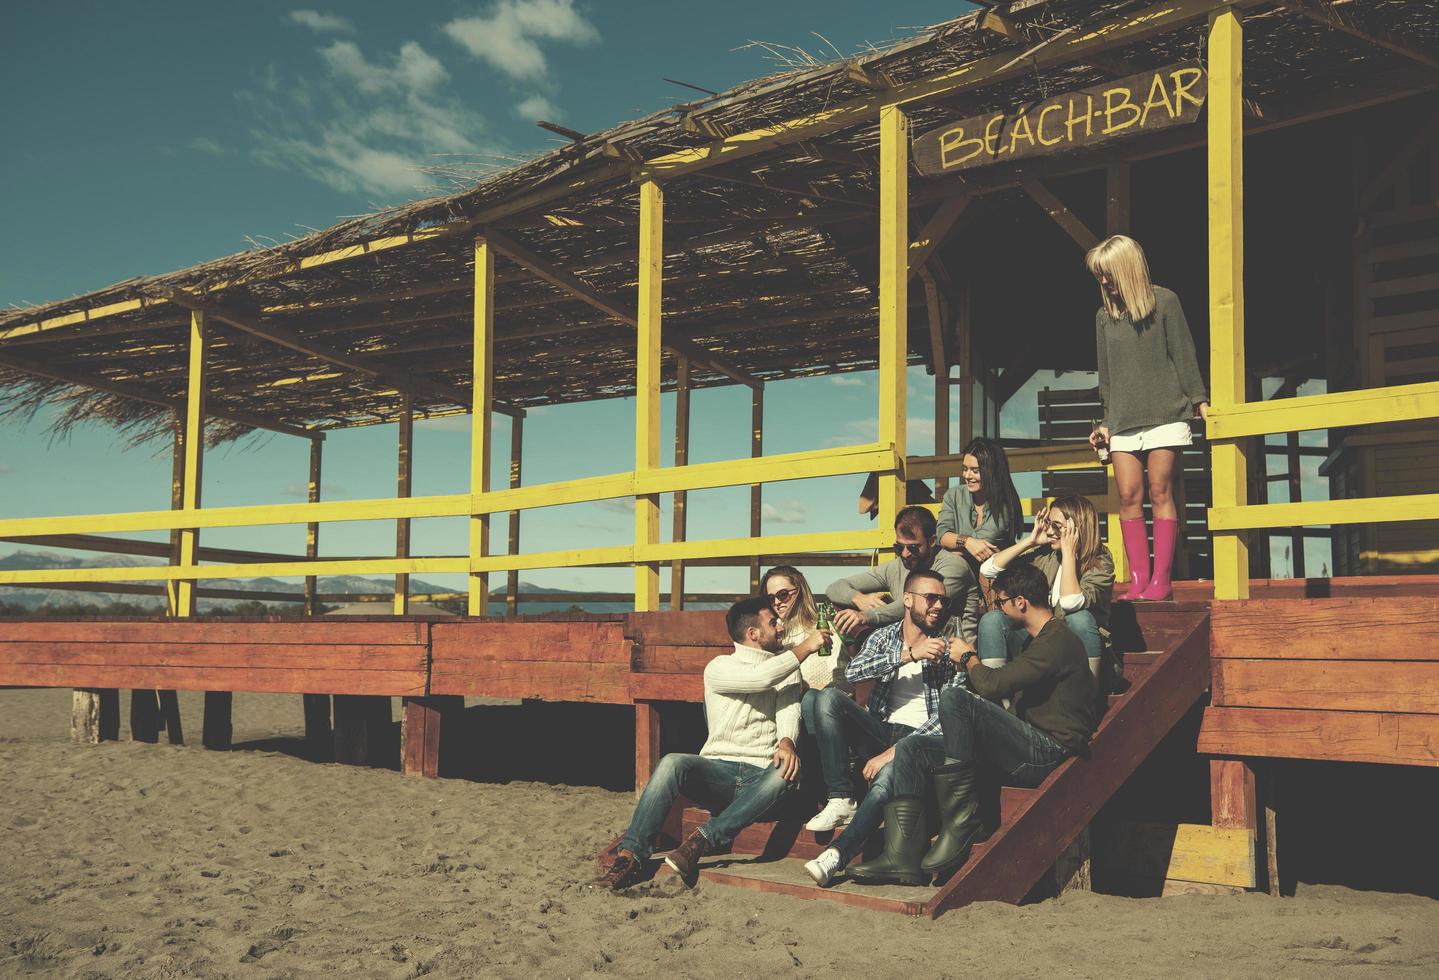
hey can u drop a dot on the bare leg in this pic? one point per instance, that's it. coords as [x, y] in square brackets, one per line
[1129, 478]
[1161, 463]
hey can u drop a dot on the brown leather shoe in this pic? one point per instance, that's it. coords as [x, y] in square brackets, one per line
[625, 871]
[685, 859]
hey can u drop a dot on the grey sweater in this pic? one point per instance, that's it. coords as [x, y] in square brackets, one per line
[959, 584]
[1148, 374]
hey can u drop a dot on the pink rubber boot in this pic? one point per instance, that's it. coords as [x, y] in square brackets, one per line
[1166, 531]
[1136, 546]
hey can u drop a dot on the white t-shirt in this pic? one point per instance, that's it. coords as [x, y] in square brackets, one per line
[906, 697]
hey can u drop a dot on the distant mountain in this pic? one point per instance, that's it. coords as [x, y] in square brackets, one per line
[40, 598]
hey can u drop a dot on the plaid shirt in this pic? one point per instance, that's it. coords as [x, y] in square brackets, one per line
[879, 660]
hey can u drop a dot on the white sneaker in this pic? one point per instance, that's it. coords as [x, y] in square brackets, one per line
[836, 813]
[823, 868]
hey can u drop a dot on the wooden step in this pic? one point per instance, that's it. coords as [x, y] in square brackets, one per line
[786, 876]
[788, 838]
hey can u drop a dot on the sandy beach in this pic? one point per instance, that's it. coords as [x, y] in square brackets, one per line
[158, 861]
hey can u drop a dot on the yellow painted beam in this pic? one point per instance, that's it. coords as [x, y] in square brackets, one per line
[287, 569]
[1398, 403]
[1225, 110]
[481, 413]
[893, 299]
[622, 554]
[1066, 48]
[1312, 513]
[767, 469]
[194, 443]
[648, 330]
[775, 544]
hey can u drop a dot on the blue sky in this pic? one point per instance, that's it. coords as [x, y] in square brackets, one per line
[146, 137]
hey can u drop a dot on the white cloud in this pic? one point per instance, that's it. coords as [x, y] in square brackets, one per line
[207, 146]
[785, 512]
[848, 381]
[508, 36]
[368, 124]
[538, 107]
[322, 23]
[6, 469]
[414, 70]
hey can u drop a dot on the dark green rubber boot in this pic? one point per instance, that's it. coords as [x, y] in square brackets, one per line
[959, 823]
[904, 844]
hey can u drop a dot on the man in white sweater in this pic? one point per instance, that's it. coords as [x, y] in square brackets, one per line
[747, 764]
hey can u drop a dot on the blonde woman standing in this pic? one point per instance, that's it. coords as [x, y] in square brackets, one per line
[1150, 386]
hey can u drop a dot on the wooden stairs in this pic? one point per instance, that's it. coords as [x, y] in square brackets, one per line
[1165, 648]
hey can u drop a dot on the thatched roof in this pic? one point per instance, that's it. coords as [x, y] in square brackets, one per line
[769, 261]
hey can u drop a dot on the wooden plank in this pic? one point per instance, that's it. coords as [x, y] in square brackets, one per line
[1024, 848]
[1328, 685]
[647, 743]
[144, 716]
[1232, 796]
[94, 715]
[689, 628]
[255, 679]
[170, 717]
[1349, 628]
[675, 659]
[217, 727]
[667, 687]
[172, 631]
[564, 681]
[788, 877]
[232, 656]
[425, 721]
[1338, 736]
[578, 642]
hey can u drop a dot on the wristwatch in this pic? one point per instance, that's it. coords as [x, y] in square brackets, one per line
[968, 656]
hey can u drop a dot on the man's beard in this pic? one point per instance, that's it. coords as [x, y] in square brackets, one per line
[918, 619]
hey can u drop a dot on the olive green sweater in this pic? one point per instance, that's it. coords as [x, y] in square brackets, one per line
[1148, 374]
[1049, 686]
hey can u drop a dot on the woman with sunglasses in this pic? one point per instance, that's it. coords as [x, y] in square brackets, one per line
[979, 515]
[803, 621]
[1065, 545]
[1150, 386]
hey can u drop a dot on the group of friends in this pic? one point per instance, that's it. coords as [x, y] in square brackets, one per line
[957, 697]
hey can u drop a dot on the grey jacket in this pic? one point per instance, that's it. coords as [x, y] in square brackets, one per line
[959, 584]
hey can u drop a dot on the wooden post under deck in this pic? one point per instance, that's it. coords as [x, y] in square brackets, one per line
[318, 733]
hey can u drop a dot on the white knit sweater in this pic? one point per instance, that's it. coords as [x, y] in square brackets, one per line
[751, 702]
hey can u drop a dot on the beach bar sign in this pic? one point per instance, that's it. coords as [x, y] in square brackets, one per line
[1142, 103]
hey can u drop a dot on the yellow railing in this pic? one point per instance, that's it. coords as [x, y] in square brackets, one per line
[1369, 406]
[793, 466]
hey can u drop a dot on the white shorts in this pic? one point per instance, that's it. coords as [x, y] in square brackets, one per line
[1170, 434]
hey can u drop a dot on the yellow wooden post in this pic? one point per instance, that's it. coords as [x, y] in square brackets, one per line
[312, 529]
[647, 386]
[194, 457]
[756, 490]
[483, 398]
[1226, 286]
[403, 484]
[893, 298]
[682, 458]
[512, 577]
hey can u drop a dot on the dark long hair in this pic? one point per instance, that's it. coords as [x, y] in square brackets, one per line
[998, 485]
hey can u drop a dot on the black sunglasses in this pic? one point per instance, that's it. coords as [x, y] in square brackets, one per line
[783, 595]
[900, 548]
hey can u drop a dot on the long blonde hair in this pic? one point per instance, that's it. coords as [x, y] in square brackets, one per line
[1086, 524]
[806, 613]
[1121, 258]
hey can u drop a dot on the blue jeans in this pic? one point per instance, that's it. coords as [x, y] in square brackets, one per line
[736, 793]
[1000, 638]
[870, 814]
[981, 732]
[838, 725]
